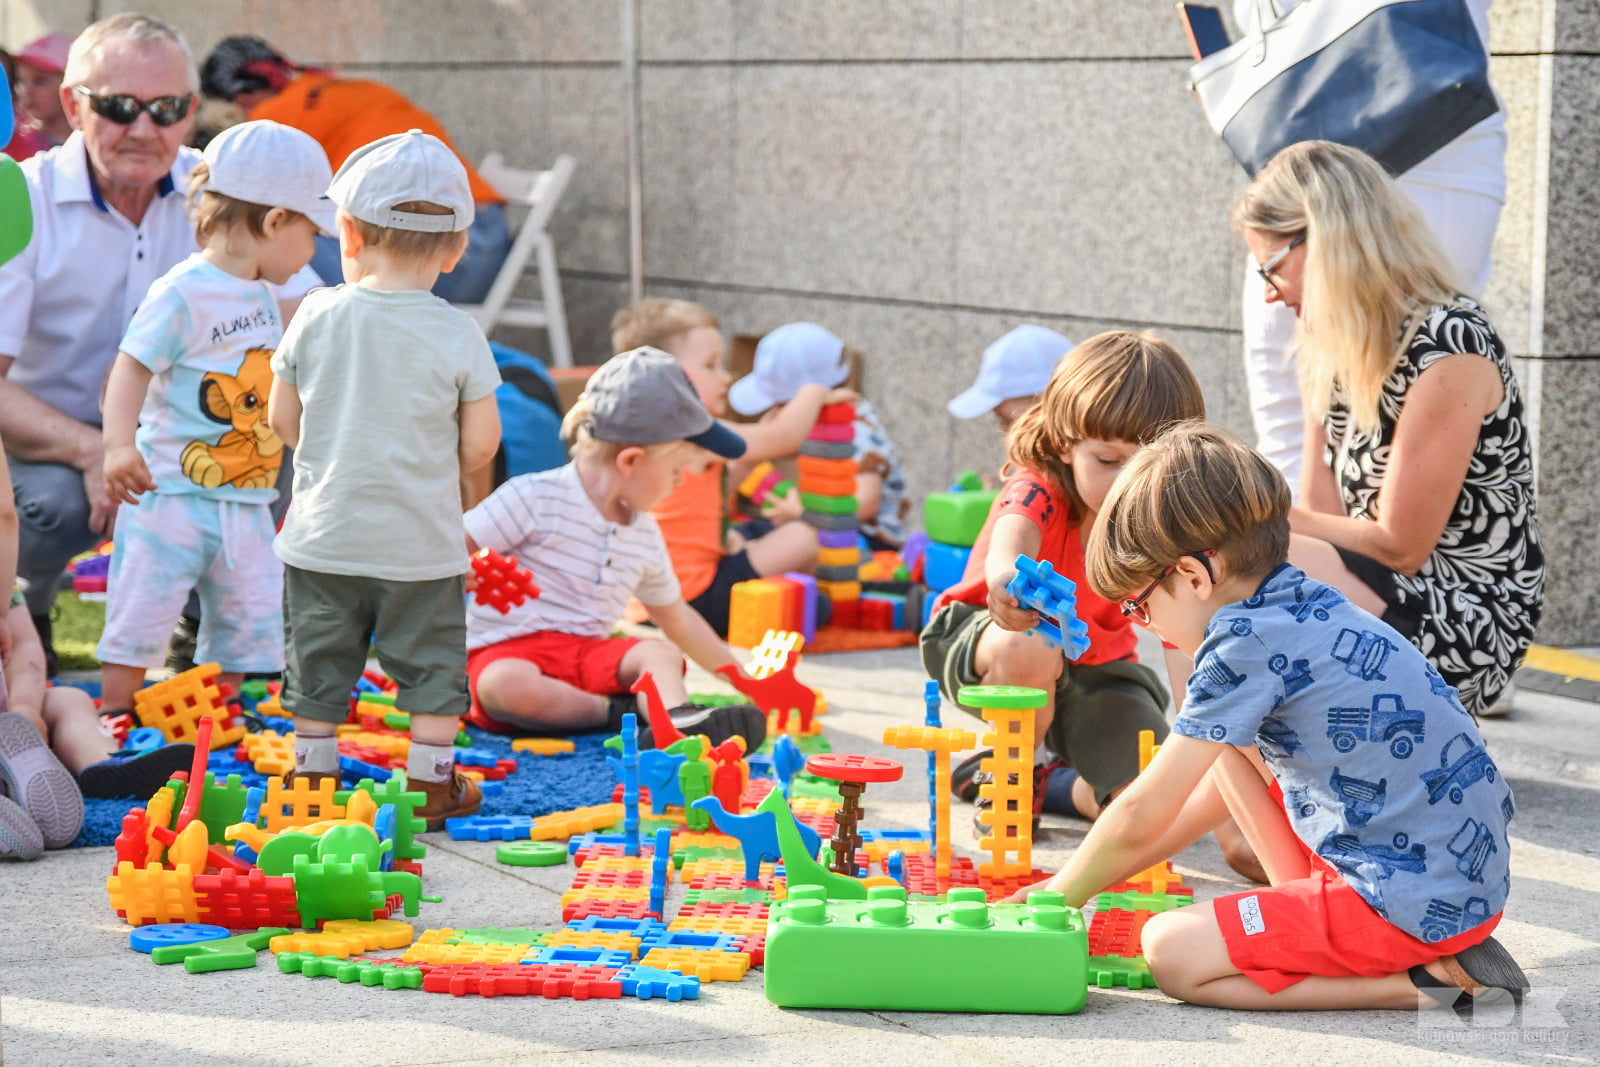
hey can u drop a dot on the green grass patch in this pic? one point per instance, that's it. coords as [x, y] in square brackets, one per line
[76, 626]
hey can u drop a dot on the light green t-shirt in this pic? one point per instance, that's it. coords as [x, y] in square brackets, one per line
[381, 377]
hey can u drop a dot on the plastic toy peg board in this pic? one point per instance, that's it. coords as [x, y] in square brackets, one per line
[852, 767]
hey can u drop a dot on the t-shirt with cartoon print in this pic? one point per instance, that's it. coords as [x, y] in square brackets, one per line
[1384, 774]
[208, 336]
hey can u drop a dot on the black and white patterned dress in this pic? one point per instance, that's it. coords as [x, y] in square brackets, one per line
[1480, 593]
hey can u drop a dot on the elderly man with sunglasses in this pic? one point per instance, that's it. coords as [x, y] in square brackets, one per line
[109, 219]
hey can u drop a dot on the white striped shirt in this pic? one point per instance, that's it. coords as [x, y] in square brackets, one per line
[586, 566]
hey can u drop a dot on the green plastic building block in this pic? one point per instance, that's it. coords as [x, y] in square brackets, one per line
[956, 518]
[499, 935]
[363, 971]
[1108, 972]
[222, 806]
[406, 802]
[829, 505]
[968, 482]
[702, 852]
[224, 954]
[747, 895]
[964, 955]
[1155, 903]
[348, 890]
[809, 744]
[532, 853]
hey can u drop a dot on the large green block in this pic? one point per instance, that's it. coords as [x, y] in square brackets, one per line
[956, 518]
[962, 955]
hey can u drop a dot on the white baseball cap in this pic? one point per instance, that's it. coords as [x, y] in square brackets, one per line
[399, 168]
[786, 359]
[275, 165]
[1019, 364]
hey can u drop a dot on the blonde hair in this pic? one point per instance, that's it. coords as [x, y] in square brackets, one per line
[132, 27]
[1372, 264]
[1116, 386]
[1196, 487]
[658, 323]
[412, 247]
[215, 211]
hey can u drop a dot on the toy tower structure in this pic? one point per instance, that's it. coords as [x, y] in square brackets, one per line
[828, 495]
[1009, 710]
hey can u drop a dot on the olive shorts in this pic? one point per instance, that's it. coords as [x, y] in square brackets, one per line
[1100, 708]
[418, 630]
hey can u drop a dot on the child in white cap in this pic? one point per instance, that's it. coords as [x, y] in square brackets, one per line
[803, 353]
[187, 443]
[386, 393]
[551, 665]
[1015, 370]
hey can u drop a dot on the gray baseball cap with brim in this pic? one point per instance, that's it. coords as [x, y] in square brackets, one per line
[644, 397]
[401, 168]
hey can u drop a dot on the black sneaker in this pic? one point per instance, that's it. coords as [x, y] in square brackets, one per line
[716, 724]
[137, 775]
[1041, 778]
[180, 654]
[964, 780]
[42, 624]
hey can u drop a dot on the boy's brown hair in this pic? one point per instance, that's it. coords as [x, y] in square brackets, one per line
[1195, 487]
[658, 323]
[411, 247]
[214, 211]
[1116, 386]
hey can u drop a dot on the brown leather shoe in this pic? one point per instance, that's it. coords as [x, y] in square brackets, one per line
[458, 795]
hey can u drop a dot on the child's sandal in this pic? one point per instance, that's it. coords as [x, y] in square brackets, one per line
[1473, 972]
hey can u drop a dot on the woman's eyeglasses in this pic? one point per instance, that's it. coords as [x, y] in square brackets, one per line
[124, 108]
[1266, 269]
[1135, 608]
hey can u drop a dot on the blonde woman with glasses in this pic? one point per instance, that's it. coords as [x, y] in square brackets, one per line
[1417, 492]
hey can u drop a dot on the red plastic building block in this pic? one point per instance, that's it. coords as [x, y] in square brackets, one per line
[662, 731]
[1116, 932]
[589, 878]
[874, 615]
[608, 909]
[245, 901]
[525, 980]
[132, 843]
[502, 583]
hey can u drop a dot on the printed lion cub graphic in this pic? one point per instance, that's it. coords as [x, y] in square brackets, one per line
[248, 455]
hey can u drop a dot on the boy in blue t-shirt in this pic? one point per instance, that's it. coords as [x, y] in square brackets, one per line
[1361, 782]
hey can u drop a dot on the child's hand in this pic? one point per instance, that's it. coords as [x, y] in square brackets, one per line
[126, 475]
[841, 395]
[1021, 895]
[786, 509]
[1003, 607]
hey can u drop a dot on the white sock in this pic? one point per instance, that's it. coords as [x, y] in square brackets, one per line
[430, 763]
[316, 755]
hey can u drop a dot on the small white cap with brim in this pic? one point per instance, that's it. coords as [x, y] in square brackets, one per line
[274, 165]
[1018, 364]
[644, 397]
[792, 356]
[398, 169]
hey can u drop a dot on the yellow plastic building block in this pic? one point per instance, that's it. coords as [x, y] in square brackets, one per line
[299, 805]
[708, 965]
[738, 926]
[1147, 748]
[393, 744]
[153, 894]
[941, 741]
[344, 938]
[543, 746]
[609, 892]
[176, 706]
[614, 939]
[464, 953]
[700, 868]
[840, 591]
[693, 839]
[1009, 711]
[572, 823]
[754, 607]
[157, 813]
[838, 557]
[616, 863]
[269, 753]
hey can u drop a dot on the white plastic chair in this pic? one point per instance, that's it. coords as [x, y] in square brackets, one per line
[540, 191]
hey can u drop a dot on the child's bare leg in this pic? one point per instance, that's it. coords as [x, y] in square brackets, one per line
[515, 691]
[118, 683]
[665, 664]
[1242, 779]
[74, 728]
[1005, 657]
[790, 547]
[1188, 958]
[435, 729]
[1237, 851]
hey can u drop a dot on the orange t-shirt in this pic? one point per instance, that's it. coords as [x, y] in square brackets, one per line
[691, 524]
[343, 114]
[1047, 506]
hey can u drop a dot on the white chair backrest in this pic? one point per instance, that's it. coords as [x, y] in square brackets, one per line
[539, 190]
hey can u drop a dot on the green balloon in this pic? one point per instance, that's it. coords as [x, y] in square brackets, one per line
[16, 212]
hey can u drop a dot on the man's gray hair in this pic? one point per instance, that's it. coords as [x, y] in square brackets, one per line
[129, 26]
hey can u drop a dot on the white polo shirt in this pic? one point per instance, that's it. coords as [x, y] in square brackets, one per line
[67, 299]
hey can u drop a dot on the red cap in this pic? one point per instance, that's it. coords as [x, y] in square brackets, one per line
[47, 53]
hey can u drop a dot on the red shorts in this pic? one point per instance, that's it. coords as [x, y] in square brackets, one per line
[589, 663]
[1320, 925]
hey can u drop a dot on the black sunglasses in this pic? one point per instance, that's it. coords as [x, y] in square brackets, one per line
[124, 109]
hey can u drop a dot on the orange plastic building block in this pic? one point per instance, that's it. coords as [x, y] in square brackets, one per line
[757, 606]
[941, 741]
[346, 937]
[269, 753]
[300, 804]
[840, 591]
[572, 823]
[176, 705]
[543, 746]
[612, 939]
[153, 894]
[1009, 711]
[158, 814]
[616, 892]
[849, 556]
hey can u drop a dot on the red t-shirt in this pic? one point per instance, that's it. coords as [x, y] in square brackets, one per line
[1049, 507]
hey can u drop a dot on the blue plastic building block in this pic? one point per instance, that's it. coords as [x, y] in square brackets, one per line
[627, 769]
[150, 938]
[492, 787]
[383, 824]
[660, 869]
[964, 955]
[787, 760]
[591, 839]
[353, 770]
[584, 957]
[757, 834]
[944, 565]
[144, 738]
[1038, 586]
[645, 982]
[658, 772]
[489, 827]
[668, 939]
[476, 757]
[931, 706]
[640, 928]
[896, 866]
